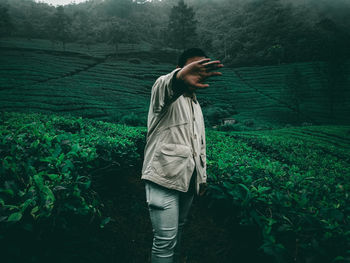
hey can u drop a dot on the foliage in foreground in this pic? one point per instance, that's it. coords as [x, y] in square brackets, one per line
[48, 163]
[293, 183]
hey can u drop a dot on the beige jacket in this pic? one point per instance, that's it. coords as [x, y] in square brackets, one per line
[175, 138]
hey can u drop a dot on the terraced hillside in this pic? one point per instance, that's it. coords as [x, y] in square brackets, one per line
[317, 81]
[48, 80]
[91, 82]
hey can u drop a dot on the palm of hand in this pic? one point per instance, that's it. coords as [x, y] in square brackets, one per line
[196, 72]
[195, 77]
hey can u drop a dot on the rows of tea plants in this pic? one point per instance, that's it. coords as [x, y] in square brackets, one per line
[294, 183]
[228, 90]
[23, 68]
[49, 168]
[314, 94]
[38, 76]
[99, 50]
[114, 87]
[56, 83]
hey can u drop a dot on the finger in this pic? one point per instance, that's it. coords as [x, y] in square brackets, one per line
[216, 73]
[203, 60]
[211, 67]
[211, 63]
[201, 86]
[219, 65]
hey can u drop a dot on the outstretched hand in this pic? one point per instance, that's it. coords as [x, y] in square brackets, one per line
[193, 74]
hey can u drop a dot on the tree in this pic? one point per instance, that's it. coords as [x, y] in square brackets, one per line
[5, 22]
[59, 26]
[121, 31]
[182, 26]
[117, 34]
[82, 28]
[119, 8]
[275, 53]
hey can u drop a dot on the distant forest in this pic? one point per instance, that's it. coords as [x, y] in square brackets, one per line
[239, 32]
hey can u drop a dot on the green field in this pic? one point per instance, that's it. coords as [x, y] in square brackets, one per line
[278, 191]
[40, 77]
[291, 184]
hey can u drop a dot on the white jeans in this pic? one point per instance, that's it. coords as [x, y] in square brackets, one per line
[168, 210]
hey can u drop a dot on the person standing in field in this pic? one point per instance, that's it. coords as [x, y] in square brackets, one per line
[174, 166]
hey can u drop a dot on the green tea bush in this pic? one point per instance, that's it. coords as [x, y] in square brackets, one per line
[296, 189]
[214, 114]
[133, 120]
[47, 164]
[230, 127]
[249, 122]
[292, 183]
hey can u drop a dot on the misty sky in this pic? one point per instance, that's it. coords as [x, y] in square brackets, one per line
[60, 2]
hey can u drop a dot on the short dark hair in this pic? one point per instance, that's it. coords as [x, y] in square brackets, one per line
[190, 53]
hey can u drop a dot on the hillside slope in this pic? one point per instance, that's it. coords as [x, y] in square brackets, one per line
[38, 76]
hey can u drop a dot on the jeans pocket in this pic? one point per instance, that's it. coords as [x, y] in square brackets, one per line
[147, 191]
[155, 195]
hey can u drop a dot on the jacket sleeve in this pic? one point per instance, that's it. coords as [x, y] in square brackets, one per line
[164, 91]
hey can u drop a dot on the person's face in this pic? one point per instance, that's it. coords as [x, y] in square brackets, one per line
[192, 59]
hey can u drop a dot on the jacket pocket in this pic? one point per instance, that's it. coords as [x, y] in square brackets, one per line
[172, 160]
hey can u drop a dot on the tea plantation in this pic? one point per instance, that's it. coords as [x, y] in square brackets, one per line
[61, 174]
[37, 76]
[70, 188]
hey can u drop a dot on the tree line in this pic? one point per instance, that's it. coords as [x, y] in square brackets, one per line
[239, 32]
